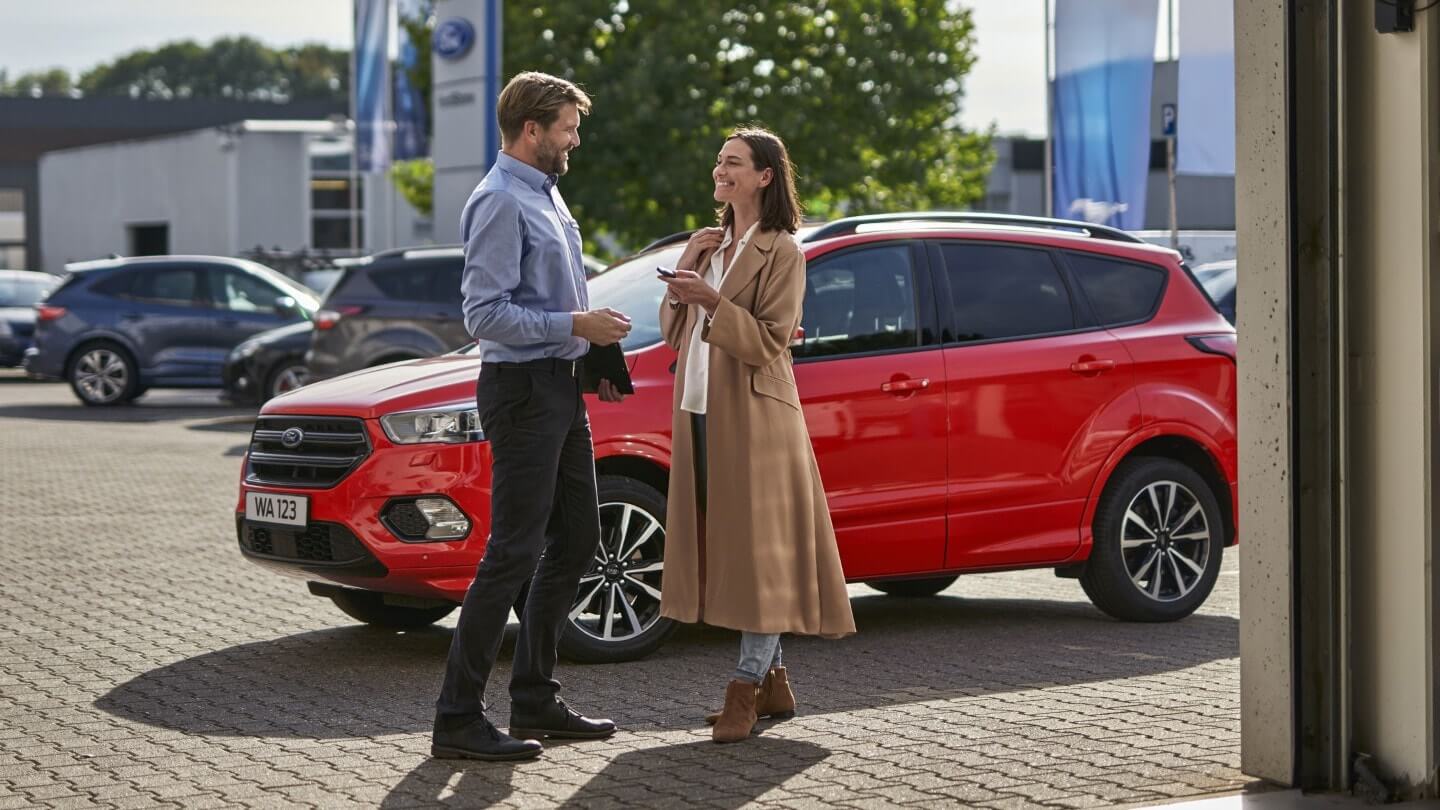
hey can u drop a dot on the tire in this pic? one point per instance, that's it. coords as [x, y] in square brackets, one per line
[287, 375]
[370, 608]
[632, 541]
[912, 588]
[1159, 537]
[103, 374]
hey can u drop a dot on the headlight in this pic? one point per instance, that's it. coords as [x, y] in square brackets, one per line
[445, 426]
[244, 350]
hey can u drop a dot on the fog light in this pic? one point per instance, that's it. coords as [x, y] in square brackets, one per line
[446, 520]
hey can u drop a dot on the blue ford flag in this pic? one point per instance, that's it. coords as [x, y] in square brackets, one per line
[1206, 140]
[410, 139]
[372, 43]
[1104, 62]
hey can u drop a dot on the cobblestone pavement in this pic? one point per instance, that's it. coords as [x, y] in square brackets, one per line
[144, 663]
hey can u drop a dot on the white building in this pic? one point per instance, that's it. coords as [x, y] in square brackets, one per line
[221, 190]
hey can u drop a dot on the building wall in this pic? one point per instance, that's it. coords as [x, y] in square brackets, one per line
[273, 191]
[90, 196]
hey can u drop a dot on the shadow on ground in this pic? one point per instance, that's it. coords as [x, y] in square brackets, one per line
[353, 682]
[729, 777]
[214, 413]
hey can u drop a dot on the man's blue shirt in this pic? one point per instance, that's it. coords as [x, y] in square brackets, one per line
[523, 272]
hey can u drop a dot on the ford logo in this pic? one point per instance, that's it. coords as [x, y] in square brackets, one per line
[291, 438]
[453, 38]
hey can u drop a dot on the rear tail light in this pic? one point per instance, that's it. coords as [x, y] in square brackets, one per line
[327, 318]
[45, 313]
[1223, 345]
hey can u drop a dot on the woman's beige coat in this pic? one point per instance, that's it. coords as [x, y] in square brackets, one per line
[767, 560]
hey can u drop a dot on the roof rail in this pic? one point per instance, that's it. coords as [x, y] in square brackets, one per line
[678, 236]
[850, 225]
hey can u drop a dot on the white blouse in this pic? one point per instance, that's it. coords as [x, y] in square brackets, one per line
[697, 362]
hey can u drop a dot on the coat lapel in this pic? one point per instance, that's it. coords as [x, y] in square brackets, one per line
[748, 263]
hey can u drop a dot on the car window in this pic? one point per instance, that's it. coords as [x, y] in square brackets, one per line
[445, 283]
[859, 301]
[1218, 280]
[174, 286]
[632, 287]
[1001, 291]
[241, 292]
[408, 282]
[1120, 292]
[23, 293]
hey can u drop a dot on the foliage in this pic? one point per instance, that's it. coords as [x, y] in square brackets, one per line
[231, 68]
[52, 82]
[866, 93]
[416, 181]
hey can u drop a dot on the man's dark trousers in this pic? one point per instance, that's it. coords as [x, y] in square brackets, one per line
[542, 500]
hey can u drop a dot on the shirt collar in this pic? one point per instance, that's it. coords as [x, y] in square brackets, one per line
[531, 176]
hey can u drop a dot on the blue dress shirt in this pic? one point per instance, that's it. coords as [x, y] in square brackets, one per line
[523, 272]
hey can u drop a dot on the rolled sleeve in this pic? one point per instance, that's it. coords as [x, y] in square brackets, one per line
[494, 243]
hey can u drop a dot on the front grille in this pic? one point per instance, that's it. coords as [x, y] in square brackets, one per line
[330, 447]
[316, 543]
[405, 519]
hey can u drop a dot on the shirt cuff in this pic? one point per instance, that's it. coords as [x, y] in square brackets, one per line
[560, 327]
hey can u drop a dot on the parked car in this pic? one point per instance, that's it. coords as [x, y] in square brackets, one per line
[20, 291]
[1219, 281]
[116, 327]
[269, 364]
[981, 396]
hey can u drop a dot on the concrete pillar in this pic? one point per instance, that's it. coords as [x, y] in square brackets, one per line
[466, 84]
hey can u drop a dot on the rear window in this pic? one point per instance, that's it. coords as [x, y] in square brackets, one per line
[1119, 292]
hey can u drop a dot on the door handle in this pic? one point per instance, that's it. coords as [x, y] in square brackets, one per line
[1091, 366]
[901, 386]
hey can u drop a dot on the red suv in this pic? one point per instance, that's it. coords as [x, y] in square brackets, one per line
[983, 393]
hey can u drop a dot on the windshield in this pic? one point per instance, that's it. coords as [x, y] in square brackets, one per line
[24, 293]
[632, 287]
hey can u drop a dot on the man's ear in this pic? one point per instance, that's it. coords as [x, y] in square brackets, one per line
[532, 129]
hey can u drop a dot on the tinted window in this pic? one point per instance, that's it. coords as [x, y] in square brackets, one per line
[445, 283]
[1119, 292]
[859, 301]
[997, 291]
[117, 284]
[242, 292]
[1219, 282]
[408, 282]
[633, 288]
[166, 286]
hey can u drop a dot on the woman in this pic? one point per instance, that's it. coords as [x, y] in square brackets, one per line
[748, 544]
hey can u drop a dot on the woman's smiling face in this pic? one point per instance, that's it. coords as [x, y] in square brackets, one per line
[736, 178]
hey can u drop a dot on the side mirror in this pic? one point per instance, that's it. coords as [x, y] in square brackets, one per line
[285, 305]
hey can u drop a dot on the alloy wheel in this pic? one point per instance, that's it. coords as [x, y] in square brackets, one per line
[289, 378]
[619, 597]
[102, 375]
[1165, 541]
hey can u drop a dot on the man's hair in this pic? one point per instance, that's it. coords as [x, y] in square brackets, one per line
[780, 207]
[538, 97]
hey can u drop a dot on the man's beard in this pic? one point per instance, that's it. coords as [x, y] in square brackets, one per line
[552, 161]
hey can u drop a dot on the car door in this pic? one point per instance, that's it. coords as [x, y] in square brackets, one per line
[1035, 395]
[444, 314]
[871, 380]
[162, 312]
[242, 304]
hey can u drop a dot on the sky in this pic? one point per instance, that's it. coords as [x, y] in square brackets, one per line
[1006, 87]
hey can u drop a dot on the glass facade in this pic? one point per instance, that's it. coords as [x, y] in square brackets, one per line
[13, 253]
[331, 217]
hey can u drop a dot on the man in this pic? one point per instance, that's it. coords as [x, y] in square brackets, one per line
[527, 306]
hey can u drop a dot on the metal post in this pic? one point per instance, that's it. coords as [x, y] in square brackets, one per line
[354, 180]
[1170, 172]
[1049, 122]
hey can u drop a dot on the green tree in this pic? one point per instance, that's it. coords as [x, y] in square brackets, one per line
[52, 82]
[416, 181]
[866, 93]
[230, 67]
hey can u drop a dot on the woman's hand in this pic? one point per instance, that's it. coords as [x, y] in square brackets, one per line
[702, 240]
[689, 288]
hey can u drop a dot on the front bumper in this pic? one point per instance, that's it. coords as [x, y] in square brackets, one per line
[359, 549]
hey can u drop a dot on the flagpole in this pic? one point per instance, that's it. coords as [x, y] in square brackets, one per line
[1049, 123]
[354, 129]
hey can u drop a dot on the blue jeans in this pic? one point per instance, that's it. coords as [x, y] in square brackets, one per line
[758, 653]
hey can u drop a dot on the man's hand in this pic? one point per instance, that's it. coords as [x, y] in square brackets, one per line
[600, 326]
[689, 288]
[609, 393]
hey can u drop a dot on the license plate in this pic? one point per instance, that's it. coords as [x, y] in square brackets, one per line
[285, 510]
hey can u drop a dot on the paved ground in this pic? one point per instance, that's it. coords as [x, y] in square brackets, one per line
[144, 663]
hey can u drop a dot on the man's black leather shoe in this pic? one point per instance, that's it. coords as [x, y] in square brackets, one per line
[559, 721]
[479, 739]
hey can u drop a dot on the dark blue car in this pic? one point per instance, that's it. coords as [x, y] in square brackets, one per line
[117, 327]
[20, 290]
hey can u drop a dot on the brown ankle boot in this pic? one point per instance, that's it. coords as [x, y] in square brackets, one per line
[775, 700]
[737, 719]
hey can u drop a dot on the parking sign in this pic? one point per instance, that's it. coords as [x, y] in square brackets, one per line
[1167, 120]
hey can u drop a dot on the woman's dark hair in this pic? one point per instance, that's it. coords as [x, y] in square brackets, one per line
[779, 205]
